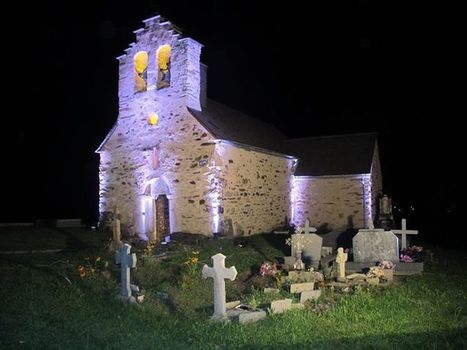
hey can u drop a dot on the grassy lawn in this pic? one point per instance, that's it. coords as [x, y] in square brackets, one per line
[44, 304]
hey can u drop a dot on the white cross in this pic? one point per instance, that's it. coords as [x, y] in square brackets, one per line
[218, 272]
[404, 232]
[307, 228]
[127, 261]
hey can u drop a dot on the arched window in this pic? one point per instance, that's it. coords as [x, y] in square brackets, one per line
[163, 66]
[141, 68]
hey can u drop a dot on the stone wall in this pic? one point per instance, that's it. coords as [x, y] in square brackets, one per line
[126, 170]
[254, 189]
[329, 202]
[185, 148]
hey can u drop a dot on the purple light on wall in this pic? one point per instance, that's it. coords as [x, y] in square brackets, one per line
[367, 187]
[299, 184]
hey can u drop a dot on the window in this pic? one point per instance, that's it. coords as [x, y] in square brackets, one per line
[141, 68]
[155, 158]
[163, 66]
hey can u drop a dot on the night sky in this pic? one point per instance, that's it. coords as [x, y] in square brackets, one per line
[357, 66]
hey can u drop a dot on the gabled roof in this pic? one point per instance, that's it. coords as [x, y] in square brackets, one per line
[226, 123]
[333, 155]
[109, 135]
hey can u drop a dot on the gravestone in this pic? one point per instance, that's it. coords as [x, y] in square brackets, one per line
[372, 245]
[309, 244]
[219, 272]
[126, 261]
[404, 232]
[116, 232]
[309, 295]
[300, 287]
[289, 261]
[279, 306]
[385, 218]
[341, 259]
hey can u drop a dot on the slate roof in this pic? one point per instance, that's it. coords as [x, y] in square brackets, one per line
[333, 155]
[226, 123]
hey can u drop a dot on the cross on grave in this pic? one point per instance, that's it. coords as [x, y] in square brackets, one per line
[341, 258]
[218, 272]
[404, 232]
[126, 261]
[307, 228]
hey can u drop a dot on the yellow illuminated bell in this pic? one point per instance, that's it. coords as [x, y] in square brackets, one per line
[153, 119]
[163, 57]
[141, 61]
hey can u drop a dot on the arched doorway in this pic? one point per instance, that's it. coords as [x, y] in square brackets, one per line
[156, 210]
[162, 224]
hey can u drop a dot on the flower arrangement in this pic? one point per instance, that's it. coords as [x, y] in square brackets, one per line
[411, 254]
[386, 264]
[406, 258]
[270, 269]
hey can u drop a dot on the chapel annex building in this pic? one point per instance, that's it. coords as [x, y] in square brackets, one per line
[177, 162]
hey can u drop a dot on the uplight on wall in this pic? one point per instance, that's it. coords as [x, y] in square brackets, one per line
[153, 118]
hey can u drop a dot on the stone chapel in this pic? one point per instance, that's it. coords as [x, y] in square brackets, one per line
[175, 161]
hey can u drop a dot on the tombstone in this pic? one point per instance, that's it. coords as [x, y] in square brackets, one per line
[340, 262]
[116, 232]
[289, 261]
[385, 217]
[309, 244]
[219, 272]
[279, 306]
[372, 245]
[300, 287]
[126, 261]
[404, 232]
[325, 251]
[309, 295]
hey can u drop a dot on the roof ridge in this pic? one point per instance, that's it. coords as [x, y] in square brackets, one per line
[332, 136]
[245, 114]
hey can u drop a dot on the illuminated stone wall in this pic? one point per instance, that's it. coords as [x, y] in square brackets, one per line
[254, 189]
[185, 147]
[330, 202]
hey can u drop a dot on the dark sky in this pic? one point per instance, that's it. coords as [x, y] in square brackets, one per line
[392, 67]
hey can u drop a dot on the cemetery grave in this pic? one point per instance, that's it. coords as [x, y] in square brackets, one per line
[165, 283]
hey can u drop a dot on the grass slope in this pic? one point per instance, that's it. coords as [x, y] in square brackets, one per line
[39, 309]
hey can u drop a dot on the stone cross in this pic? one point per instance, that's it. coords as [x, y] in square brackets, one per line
[218, 272]
[126, 261]
[404, 232]
[307, 228]
[116, 242]
[340, 260]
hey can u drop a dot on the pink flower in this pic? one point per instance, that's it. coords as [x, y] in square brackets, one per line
[268, 269]
[406, 258]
